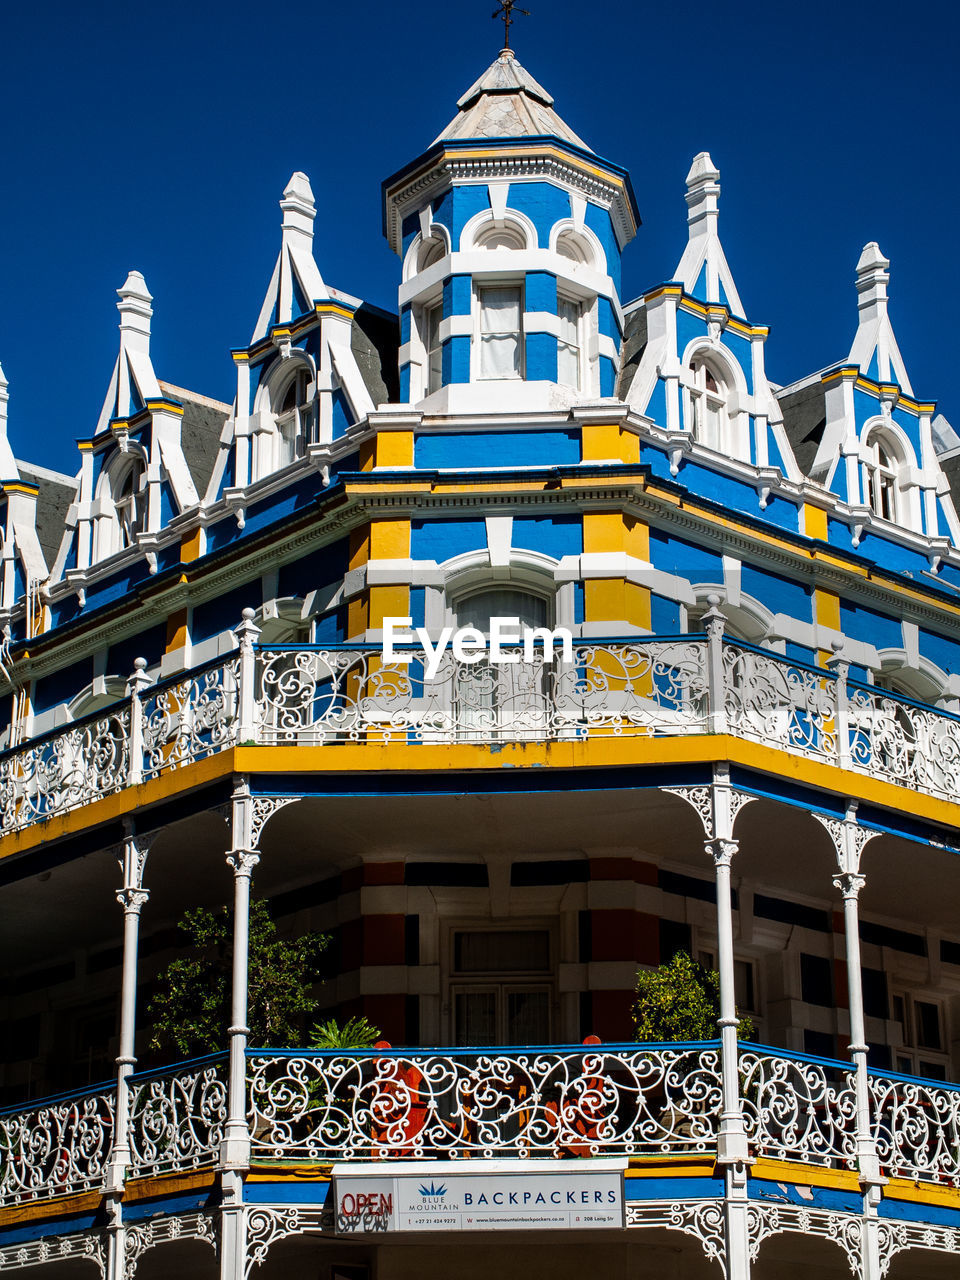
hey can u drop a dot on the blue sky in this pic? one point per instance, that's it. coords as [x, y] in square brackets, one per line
[160, 137]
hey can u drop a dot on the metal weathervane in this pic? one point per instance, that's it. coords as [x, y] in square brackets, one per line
[506, 13]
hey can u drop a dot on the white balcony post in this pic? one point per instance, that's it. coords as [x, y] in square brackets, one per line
[732, 1149]
[714, 623]
[247, 633]
[841, 669]
[135, 686]
[849, 839]
[132, 897]
[242, 857]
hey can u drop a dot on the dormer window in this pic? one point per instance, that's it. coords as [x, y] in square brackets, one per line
[129, 503]
[501, 331]
[295, 416]
[881, 478]
[706, 405]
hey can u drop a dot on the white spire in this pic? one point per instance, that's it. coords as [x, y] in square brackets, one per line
[135, 312]
[299, 211]
[4, 399]
[875, 337]
[8, 467]
[296, 283]
[703, 269]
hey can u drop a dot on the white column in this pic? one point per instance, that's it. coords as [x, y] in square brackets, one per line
[235, 1148]
[848, 840]
[247, 633]
[714, 623]
[732, 1150]
[132, 898]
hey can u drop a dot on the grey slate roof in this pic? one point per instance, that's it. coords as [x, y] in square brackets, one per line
[631, 349]
[200, 429]
[56, 492]
[804, 418]
[506, 102]
[375, 343]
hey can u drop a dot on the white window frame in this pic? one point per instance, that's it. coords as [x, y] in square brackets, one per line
[703, 405]
[479, 286]
[500, 981]
[578, 304]
[428, 311]
[882, 468]
[909, 1055]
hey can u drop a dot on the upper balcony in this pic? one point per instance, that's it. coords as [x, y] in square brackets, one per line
[329, 696]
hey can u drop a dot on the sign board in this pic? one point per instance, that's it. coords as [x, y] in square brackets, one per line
[457, 1199]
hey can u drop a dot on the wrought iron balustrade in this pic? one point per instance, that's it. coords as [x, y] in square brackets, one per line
[336, 694]
[408, 1104]
[547, 1102]
[177, 1116]
[58, 1146]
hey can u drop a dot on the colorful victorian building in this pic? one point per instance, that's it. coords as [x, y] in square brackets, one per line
[748, 751]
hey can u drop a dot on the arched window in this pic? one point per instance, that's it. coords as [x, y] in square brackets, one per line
[296, 415]
[707, 404]
[129, 500]
[501, 238]
[431, 251]
[574, 247]
[503, 701]
[881, 476]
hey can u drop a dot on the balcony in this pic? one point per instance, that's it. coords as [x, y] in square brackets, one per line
[328, 696]
[418, 1104]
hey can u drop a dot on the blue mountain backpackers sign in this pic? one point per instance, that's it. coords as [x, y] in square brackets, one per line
[496, 1196]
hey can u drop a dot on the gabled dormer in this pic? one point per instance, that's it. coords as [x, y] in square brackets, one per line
[510, 231]
[700, 363]
[299, 381]
[877, 449]
[133, 477]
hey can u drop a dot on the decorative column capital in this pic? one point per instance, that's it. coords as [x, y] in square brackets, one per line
[242, 861]
[722, 851]
[133, 899]
[849, 883]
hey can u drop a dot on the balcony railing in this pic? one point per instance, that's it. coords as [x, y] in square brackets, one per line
[331, 695]
[566, 1102]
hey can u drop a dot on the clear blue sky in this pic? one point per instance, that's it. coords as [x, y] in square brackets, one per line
[161, 136]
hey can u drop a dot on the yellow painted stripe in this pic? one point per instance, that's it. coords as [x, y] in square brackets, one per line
[168, 1184]
[671, 1166]
[806, 1175]
[922, 1193]
[57, 1207]
[403, 757]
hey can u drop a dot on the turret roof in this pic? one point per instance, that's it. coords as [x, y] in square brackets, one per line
[506, 102]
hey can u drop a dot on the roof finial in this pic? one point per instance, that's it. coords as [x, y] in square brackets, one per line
[506, 13]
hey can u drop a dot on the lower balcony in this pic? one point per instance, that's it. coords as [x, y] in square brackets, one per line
[628, 1100]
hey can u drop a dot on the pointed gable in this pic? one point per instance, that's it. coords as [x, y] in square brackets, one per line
[703, 270]
[875, 347]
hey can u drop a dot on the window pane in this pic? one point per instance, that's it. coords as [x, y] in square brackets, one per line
[816, 980]
[743, 984]
[528, 1017]
[499, 356]
[476, 611]
[928, 1024]
[933, 1070]
[475, 1016]
[568, 365]
[500, 310]
[502, 951]
[569, 312]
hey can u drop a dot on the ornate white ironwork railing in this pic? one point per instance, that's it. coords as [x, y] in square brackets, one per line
[55, 1147]
[177, 1117]
[312, 694]
[647, 1099]
[395, 1104]
[66, 768]
[189, 717]
[648, 687]
[798, 1107]
[917, 1127]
